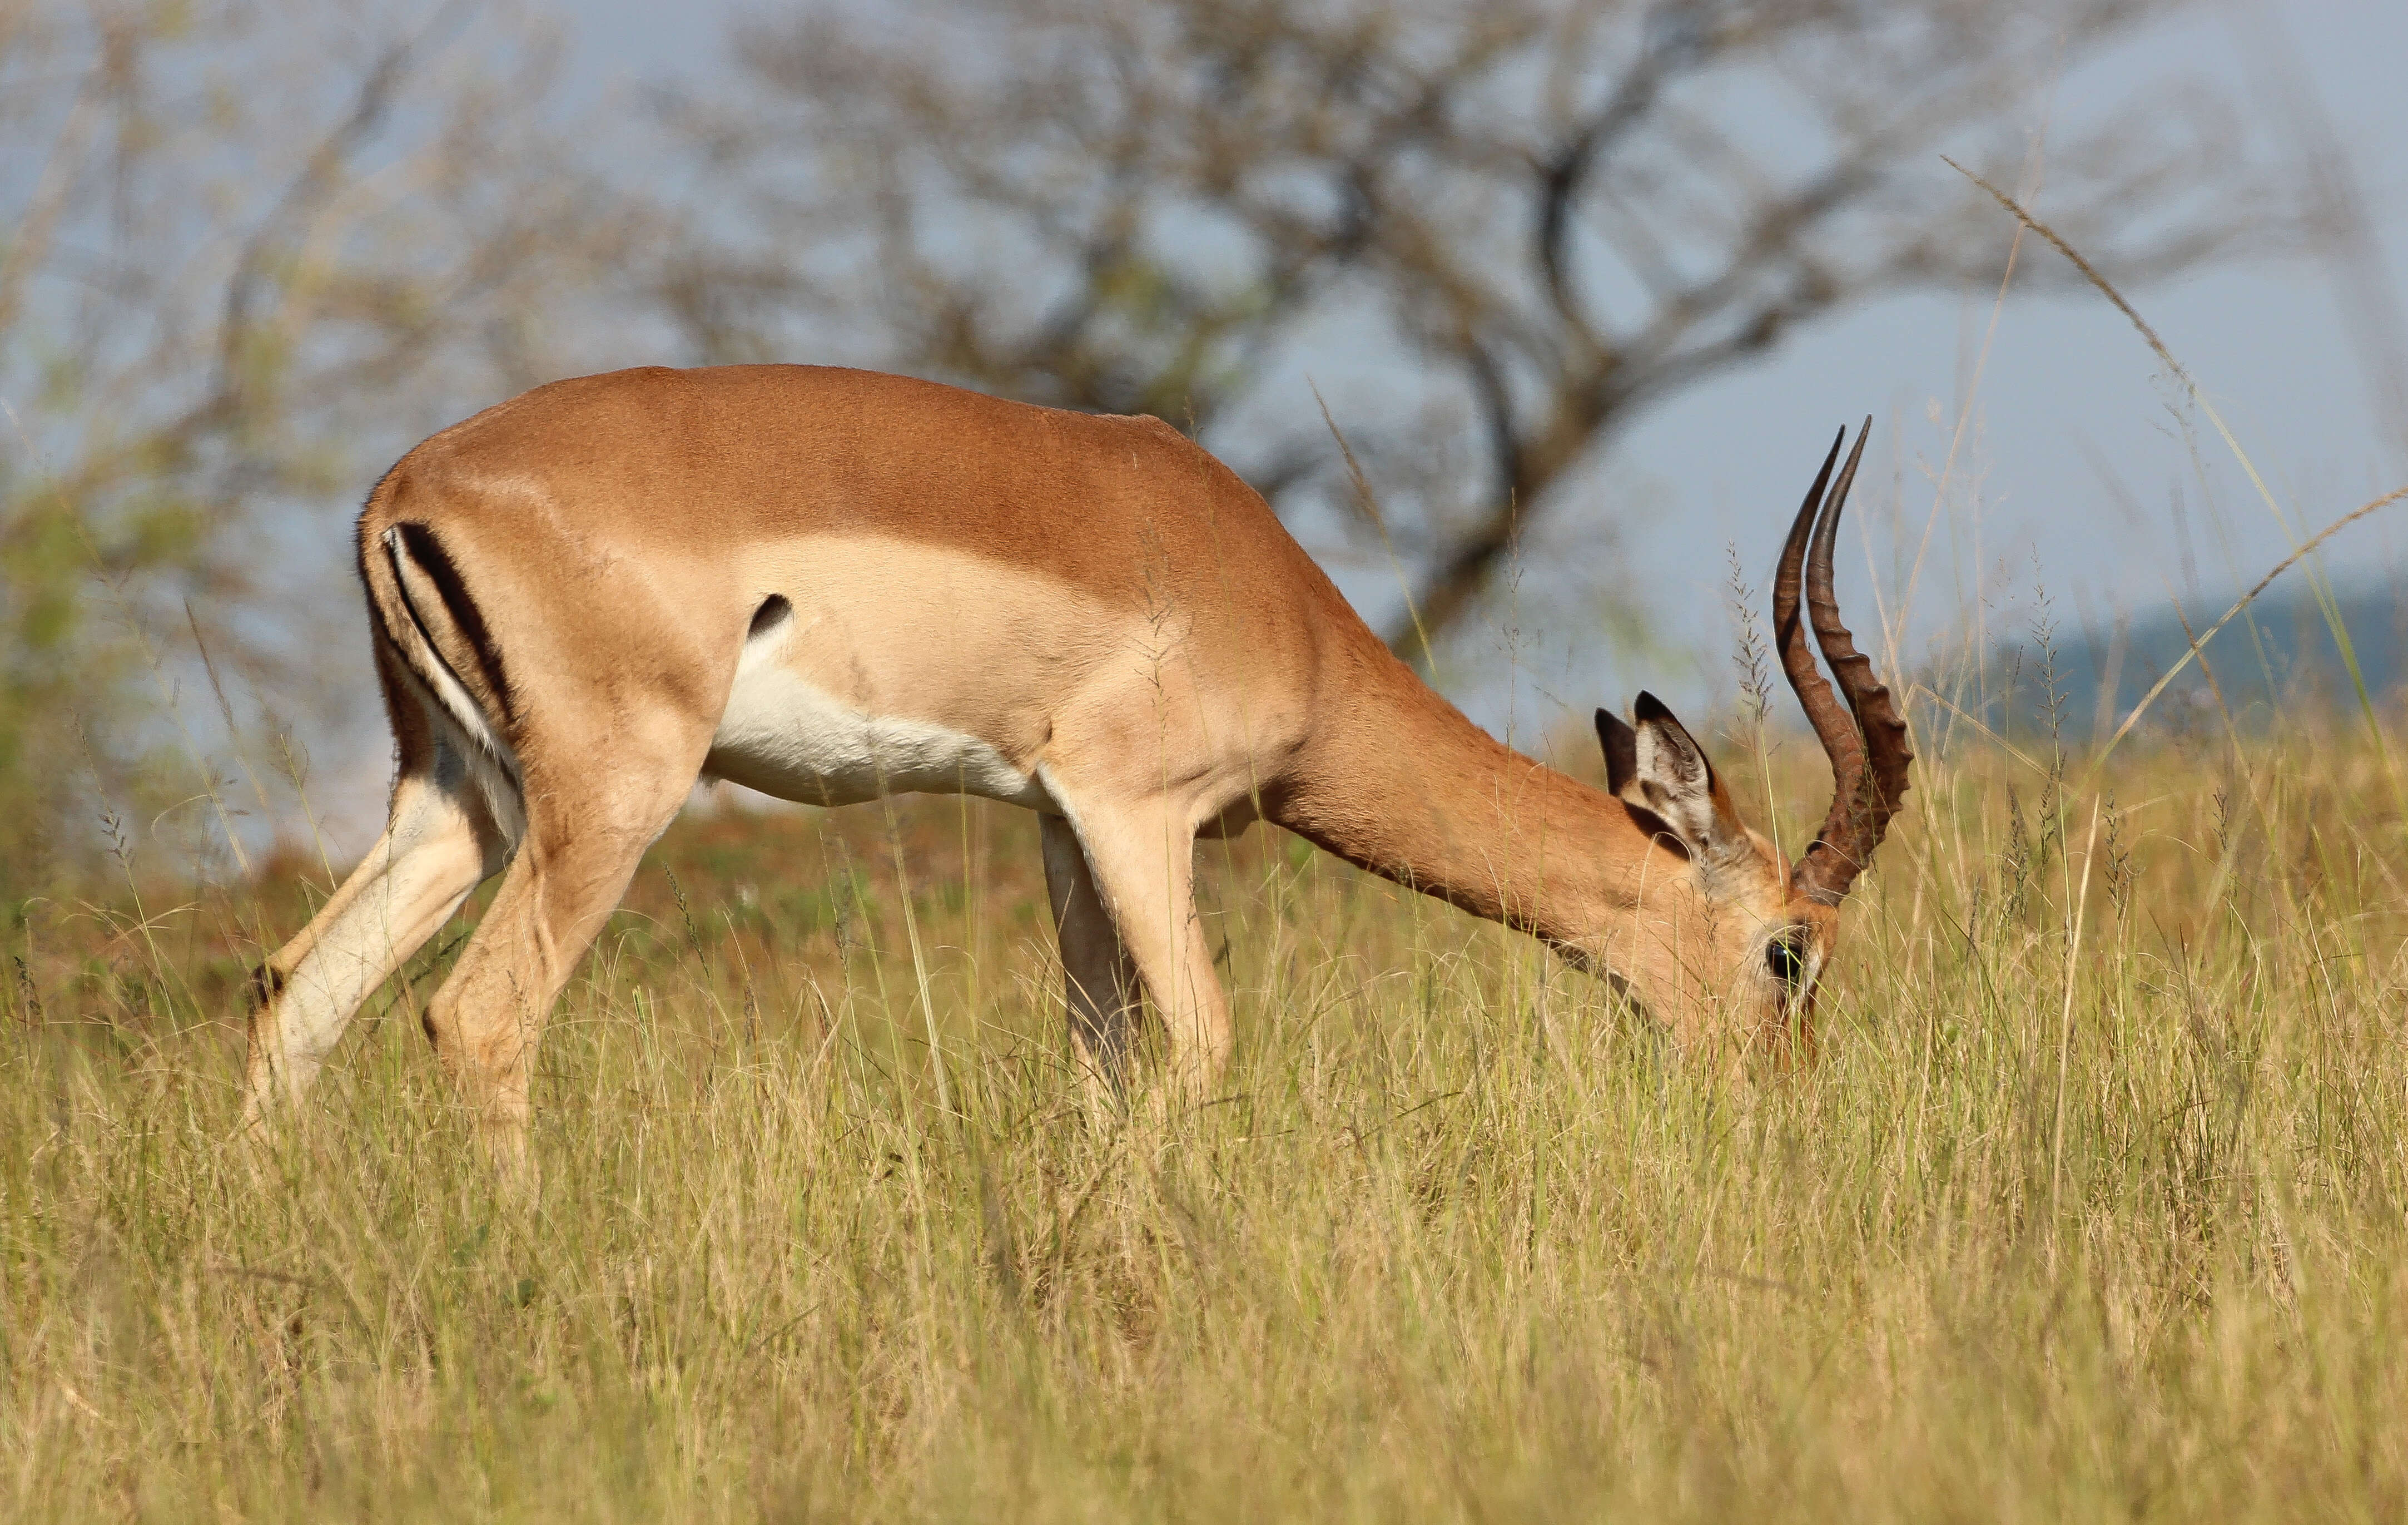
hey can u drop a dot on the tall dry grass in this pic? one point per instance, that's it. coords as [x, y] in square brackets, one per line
[2092, 1205]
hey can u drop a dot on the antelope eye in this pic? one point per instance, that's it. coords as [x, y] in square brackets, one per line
[1787, 959]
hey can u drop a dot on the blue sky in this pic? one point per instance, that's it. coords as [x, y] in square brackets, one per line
[2072, 452]
[2065, 476]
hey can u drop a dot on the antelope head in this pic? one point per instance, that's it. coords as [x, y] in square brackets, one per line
[1741, 940]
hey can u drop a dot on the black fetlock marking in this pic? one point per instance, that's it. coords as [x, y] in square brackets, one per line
[266, 983]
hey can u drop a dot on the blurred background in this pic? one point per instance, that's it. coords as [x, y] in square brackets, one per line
[1585, 286]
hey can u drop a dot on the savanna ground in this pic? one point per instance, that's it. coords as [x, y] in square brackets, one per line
[2092, 1205]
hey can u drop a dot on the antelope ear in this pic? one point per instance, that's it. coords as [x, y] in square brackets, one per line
[1621, 746]
[1671, 778]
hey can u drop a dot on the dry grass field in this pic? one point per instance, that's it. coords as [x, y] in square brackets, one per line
[2094, 1205]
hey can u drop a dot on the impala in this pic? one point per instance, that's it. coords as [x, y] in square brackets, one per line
[832, 586]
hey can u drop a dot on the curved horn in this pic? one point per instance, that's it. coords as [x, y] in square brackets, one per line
[1868, 768]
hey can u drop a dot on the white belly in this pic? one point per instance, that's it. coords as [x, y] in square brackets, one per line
[785, 736]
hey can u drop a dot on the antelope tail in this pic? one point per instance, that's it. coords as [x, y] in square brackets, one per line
[428, 620]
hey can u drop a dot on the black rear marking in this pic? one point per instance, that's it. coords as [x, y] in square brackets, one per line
[428, 552]
[772, 613]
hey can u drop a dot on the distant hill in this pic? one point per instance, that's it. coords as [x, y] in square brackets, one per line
[2277, 656]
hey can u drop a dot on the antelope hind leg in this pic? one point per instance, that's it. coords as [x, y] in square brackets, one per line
[581, 847]
[436, 847]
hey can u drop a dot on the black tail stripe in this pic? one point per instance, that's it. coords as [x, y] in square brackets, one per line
[418, 621]
[432, 559]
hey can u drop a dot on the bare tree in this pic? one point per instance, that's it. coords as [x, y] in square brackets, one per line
[246, 254]
[1555, 212]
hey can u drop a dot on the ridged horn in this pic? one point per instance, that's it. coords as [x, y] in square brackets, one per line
[1869, 752]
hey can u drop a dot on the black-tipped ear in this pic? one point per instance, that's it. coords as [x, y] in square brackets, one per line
[1676, 783]
[1656, 716]
[1621, 746]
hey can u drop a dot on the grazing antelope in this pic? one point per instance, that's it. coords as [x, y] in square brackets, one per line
[832, 586]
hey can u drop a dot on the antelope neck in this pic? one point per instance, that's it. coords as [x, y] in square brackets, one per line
[1401, 783]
